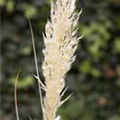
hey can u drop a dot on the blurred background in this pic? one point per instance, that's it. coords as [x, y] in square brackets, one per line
[94, 78]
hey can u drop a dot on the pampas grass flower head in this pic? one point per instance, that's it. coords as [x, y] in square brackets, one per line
[60, 43]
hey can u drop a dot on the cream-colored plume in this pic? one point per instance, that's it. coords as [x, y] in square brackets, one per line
[60, 42]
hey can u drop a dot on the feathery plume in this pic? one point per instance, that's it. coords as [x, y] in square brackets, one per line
[60, 42]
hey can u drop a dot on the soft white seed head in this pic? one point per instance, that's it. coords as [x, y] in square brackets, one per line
[60, 42]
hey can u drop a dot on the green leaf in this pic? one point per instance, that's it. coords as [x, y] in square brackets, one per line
[2, 2]
[10, 6]
[23, 83]
[30, 10]
[97, 36]
[96, 72]
[85, 66]
[26, 50]
[116, 47]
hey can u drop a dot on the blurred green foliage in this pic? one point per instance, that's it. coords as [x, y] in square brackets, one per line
[94, 78]
[23, 83]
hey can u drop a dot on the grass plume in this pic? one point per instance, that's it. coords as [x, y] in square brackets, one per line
[60, 42]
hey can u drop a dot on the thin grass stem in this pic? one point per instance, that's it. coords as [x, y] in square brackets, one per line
[15, 96]
[36, 63]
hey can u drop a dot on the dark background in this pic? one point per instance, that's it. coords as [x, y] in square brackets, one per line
[94, 78]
